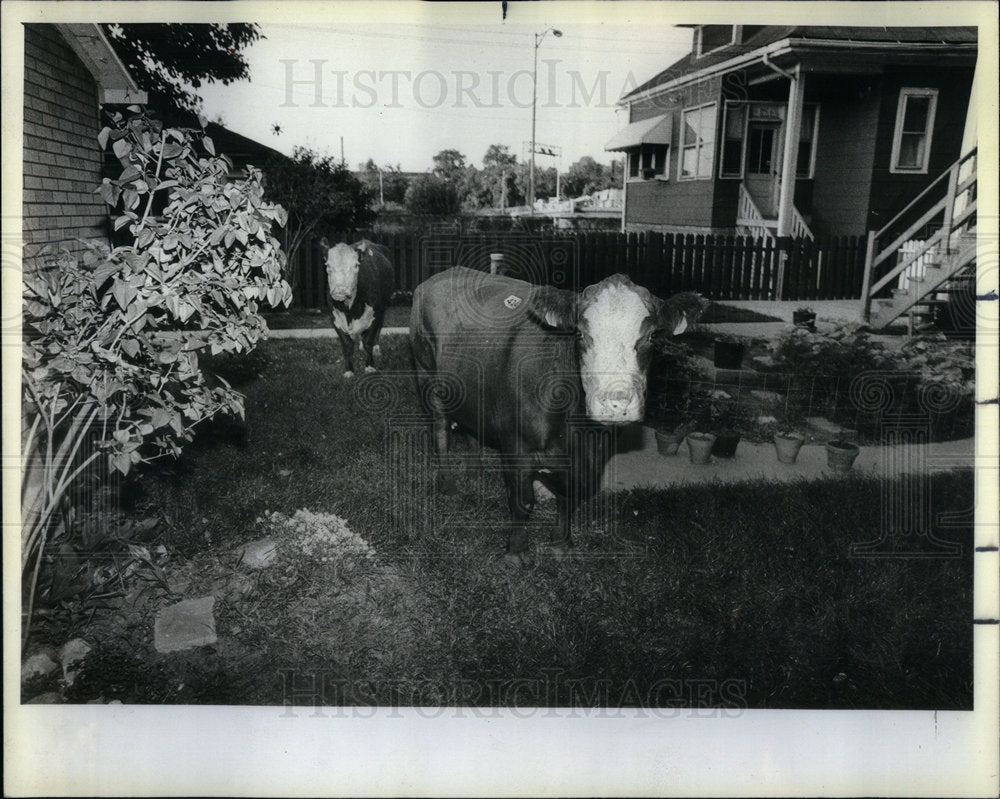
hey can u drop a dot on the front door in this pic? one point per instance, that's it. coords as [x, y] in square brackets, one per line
[762, 166]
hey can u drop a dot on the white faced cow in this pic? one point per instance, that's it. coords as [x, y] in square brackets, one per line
[536, 367]
[361, 279]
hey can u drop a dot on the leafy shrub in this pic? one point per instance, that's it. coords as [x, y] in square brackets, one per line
[846, 376]
[110, 366]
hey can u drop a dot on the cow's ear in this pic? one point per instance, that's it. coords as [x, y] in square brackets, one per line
[681, 310]
[325, 243]
[554, 308]
[362, 247]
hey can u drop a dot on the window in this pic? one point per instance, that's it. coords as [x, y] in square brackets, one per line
[748, 142]
[648, 162]
[711, 37]
[911, 143]
[697, 143]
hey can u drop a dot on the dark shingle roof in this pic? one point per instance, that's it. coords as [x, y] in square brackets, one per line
[776, 33]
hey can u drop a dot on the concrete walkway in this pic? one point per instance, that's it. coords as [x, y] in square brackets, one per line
[643, 466]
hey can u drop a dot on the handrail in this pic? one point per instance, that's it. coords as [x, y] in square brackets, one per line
[951, 221]
[799, 227]
[957, 165]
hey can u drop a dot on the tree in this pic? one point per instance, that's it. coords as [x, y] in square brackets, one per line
[387, 182]
[321, 197]
[587, 176]
[429, 194]
[449, 165]
[111, 343]
[545, 181]
[498, 172]
[171, 60]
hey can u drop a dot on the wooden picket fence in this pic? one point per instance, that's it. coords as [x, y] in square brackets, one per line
[720, 267]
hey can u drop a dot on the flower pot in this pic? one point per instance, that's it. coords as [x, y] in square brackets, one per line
[728, 355]
[840, 455]
[787, 445]
[725, 444]
[700, 447]
[668, 441]
[806, 319]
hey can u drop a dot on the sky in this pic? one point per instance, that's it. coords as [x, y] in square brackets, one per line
[401, 91]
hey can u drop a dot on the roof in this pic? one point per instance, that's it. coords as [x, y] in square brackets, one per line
[114, 81]
[240, 149]
[772, 34]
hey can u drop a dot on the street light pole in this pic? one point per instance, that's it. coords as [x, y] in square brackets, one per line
[534, 101]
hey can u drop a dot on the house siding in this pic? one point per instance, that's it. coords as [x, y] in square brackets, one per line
[890, 192]
[674, 205]
[845, 147]
[62, 161]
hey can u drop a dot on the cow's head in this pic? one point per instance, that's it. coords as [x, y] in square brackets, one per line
[342, 264]
[615, 321]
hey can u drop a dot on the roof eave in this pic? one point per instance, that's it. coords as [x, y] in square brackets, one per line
[115, 83]
[791, 46]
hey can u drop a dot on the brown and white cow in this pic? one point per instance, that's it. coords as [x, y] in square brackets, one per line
[535, 372]
[360, 279]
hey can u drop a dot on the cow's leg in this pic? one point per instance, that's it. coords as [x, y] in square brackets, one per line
[347, 347]
[557, 482]
[370, 340]
[519, 483]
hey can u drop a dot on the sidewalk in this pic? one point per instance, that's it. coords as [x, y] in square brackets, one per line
[643, 466]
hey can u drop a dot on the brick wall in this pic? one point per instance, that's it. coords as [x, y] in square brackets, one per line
[62, 161]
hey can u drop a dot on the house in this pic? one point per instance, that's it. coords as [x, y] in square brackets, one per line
[70, 71]
[800, 131]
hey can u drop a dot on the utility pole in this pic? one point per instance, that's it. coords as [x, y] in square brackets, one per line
[534, 102]
[342, 161]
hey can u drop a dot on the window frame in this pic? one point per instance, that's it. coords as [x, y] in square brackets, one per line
[662, 168]
[698, 146]
[897, 136]
[699, 44]
[810, 175]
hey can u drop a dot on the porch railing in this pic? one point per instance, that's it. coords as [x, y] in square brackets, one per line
[948, 203]
[751, 222]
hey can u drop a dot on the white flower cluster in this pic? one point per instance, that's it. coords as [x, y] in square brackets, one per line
[324, 536]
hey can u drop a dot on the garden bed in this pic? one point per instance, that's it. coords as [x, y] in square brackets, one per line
[751, 588]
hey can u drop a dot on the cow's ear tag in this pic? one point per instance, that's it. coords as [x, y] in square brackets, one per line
[681, 326]
[512, 301]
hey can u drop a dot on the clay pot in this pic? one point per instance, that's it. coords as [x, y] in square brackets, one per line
[700, 447]
[725, 444]
[787, 445]
[668, 441]
[840, 455]
[728, 355]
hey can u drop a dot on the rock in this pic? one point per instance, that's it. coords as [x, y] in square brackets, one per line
[72, 653]
[185, 625]
[764, 419]
[38, 664]
[542, 494]
[824, 430]
[258, 554]
[48, 698]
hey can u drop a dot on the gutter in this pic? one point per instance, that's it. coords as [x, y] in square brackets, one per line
[786, 46]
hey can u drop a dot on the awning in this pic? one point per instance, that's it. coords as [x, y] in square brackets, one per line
[655, 130]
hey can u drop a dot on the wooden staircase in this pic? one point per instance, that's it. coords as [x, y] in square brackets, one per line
[949, 205]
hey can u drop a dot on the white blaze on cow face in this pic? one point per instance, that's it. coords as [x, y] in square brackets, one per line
[342, 263]
[611, 325]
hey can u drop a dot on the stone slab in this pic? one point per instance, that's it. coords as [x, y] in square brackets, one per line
[185, 625]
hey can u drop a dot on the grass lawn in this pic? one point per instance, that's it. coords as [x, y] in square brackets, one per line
[727, 596]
